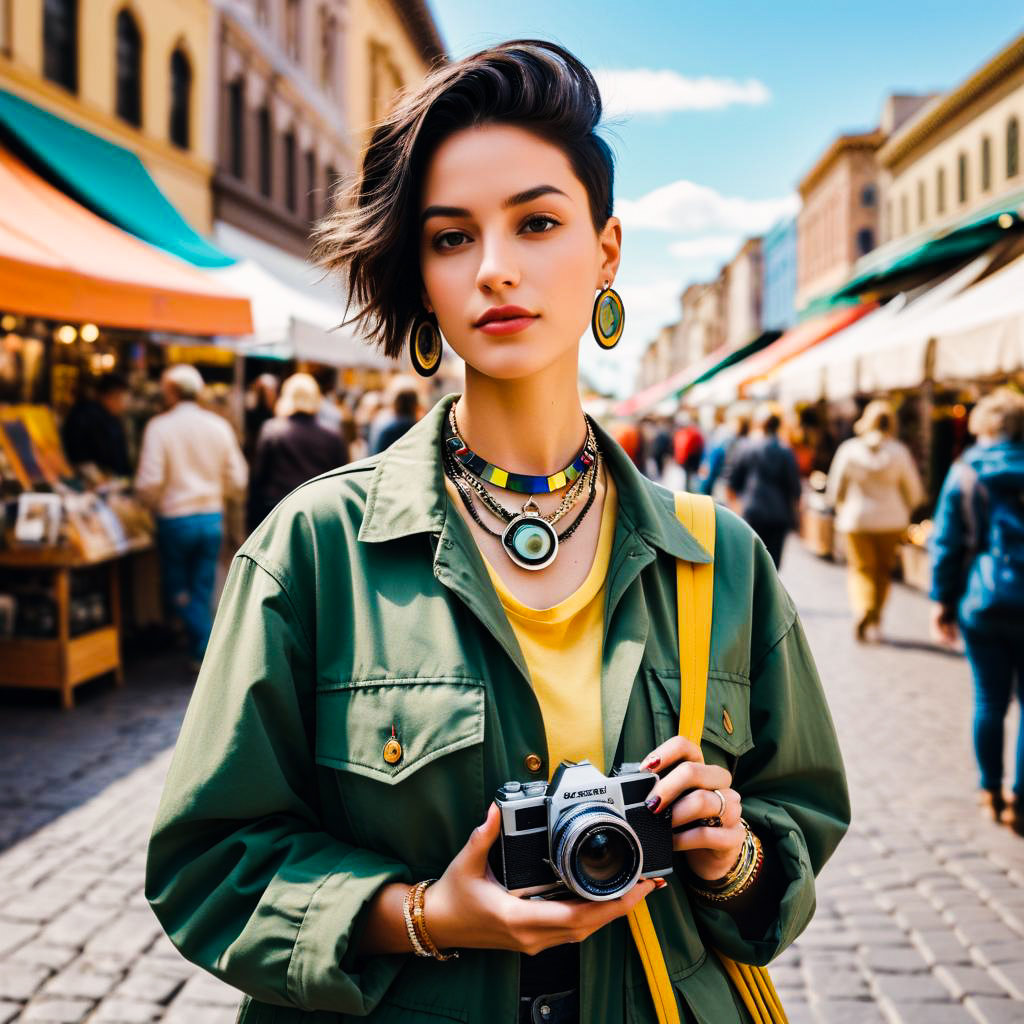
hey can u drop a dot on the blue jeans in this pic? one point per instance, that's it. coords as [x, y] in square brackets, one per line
[995, 658]
[189, 548]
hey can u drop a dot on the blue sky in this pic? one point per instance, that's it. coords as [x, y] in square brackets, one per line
[750, 94]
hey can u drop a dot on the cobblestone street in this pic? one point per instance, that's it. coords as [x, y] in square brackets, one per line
[920, 914]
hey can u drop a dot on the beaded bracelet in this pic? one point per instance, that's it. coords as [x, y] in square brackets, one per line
[416, 923]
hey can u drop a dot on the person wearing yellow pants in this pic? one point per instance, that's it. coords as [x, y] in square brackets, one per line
[874, 485]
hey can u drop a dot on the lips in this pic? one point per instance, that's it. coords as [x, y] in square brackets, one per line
[504, 313]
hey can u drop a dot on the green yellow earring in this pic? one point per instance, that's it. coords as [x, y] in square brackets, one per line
[425, 345]
[609, 318]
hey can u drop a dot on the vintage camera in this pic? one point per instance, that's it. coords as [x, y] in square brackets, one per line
[584, 834]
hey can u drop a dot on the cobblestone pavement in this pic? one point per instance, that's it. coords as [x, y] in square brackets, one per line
[920, 913]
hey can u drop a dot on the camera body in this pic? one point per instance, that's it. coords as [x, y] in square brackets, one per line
[583, 834]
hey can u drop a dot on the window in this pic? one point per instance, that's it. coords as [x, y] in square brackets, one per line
[310, 185]
[922, 211]
[328, 44]
[331, 177]
[266, 155]
[60, 42]
[236, 128]
[181, 98]
[290, 198]
[961, 175]
[868, 196]
[128, 100]
[865, 241]
[292, 43]
[940, 190]
[1012, 148]
[986, 164]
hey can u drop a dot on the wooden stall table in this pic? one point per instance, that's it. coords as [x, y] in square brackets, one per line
[62, 662]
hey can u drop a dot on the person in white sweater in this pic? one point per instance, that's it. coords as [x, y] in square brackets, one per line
[875, 487]
[190, 460]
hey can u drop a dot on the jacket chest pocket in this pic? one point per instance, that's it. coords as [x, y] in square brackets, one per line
[407, 756]
[727, 734]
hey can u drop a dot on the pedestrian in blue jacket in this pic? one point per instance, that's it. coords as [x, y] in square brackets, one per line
[978, 583]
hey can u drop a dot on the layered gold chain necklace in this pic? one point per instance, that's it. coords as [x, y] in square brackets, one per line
[529, 538]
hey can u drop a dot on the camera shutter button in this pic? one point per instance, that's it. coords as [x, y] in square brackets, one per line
[533, 763]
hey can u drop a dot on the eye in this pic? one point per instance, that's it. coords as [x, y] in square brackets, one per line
[449, 240]
[539, 223]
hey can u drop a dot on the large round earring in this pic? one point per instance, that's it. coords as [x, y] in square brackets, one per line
[425, 345]
[609, 318]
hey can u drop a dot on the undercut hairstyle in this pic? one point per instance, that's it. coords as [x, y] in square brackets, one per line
[372, 238]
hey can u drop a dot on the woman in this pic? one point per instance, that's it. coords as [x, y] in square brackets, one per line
[978, 582]
[874, 485]
[292, 447]
[382, 663]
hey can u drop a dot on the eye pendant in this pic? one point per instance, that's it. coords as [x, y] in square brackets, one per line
[529, 539]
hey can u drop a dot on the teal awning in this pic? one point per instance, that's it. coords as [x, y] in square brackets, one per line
[763, 340]
[108, 179]
[962, 242]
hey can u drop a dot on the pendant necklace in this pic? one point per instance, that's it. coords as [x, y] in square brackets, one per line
[529, 538]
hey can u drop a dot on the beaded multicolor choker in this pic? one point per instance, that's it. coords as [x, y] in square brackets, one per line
[522, 483]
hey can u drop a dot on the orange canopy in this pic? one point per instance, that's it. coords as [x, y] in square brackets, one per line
[59, 261]
[798, 339]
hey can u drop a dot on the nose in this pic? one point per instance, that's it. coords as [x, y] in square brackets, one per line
[498, 268]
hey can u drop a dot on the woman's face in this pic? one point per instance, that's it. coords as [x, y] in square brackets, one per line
[506, 222]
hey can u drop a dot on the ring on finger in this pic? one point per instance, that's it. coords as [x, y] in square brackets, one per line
[721, 809]
[714, 822]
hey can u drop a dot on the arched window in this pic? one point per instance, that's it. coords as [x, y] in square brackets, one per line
[128, 98]
[1012, 148]
[60, 42]
[940, 190]
[868, 196]
[181, 98]
[986, 164]
[865, 241]
[961, 173]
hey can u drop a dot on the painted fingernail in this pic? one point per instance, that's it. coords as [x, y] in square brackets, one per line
[660, 883]
[652, 803]
[652, 762]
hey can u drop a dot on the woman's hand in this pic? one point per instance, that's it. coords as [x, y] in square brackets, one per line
[467, 908]
[690, 787]
[943, 624]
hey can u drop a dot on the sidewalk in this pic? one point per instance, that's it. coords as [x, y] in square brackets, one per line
[920, 913]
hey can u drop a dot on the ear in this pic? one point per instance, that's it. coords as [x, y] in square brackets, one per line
[611, 250]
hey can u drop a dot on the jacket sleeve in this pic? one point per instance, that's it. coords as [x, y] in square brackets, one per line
[792, 782]
[242, 873]
[949, 542]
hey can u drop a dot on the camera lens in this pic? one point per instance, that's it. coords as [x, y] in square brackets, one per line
[596, 853]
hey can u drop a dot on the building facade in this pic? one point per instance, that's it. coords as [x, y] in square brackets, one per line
[959, 154]
[778, 266]
[744, 295]
[300, 82]
[838, 220]
[134, 72]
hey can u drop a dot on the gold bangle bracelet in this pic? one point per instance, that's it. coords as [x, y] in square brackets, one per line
[740, 868]
[743, 883]
[410, 928]
[419, 921]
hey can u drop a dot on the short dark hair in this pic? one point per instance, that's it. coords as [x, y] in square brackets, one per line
[110, 383]
[372, 236]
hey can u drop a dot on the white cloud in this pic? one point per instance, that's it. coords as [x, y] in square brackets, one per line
[706, 249]
[691, 209]
[646, 91]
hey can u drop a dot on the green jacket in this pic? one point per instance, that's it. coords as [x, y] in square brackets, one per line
[362, 603]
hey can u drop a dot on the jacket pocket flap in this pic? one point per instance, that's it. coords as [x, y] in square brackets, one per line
[726, 713]
[429, 718]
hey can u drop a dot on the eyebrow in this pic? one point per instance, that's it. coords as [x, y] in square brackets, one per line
[526, 196]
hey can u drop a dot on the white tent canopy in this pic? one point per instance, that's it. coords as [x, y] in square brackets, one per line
[886, 349]
[295, 314]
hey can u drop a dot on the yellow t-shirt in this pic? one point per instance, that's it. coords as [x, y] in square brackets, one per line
[562, 647]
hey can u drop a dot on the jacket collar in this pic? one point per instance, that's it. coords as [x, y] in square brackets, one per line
[406, 494]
